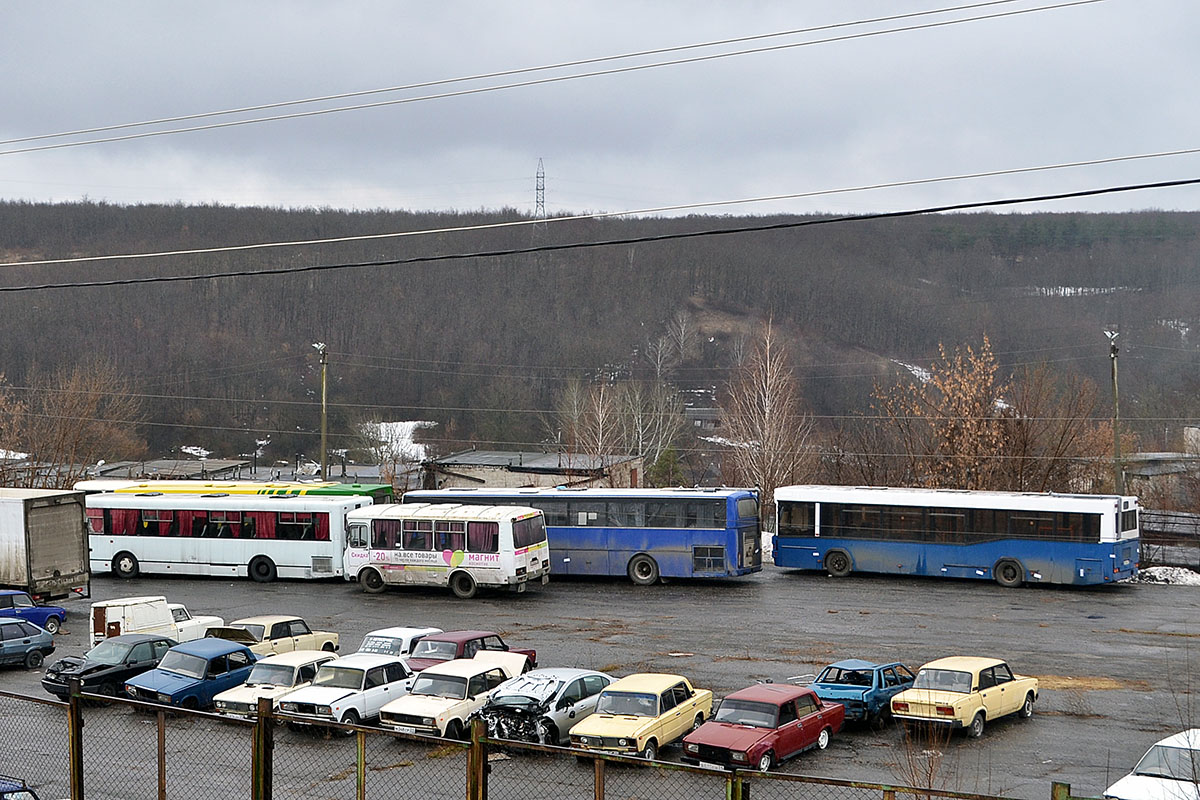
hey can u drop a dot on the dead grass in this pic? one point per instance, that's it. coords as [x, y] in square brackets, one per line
[1160, 633]
[445, 751]
[386, 767]
[1084, 683]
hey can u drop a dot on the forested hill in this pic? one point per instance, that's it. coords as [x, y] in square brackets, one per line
[482, 344]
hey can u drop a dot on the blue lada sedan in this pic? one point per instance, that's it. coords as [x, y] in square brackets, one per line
[192, 673]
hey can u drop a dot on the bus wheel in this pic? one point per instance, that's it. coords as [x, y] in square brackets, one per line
[463, 585]
[837, 563]
[125, 565]
[1008, 573]
[372, 582]
[262, 569]
[643, 570]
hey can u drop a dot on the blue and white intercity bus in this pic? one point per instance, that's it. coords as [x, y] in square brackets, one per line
[646, 534]
[1010, 537]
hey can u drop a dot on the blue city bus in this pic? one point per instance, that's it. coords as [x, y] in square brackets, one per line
[1010, 537]
[646, 534]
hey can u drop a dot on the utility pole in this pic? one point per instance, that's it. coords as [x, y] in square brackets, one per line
[324, 409]
[1118, 470]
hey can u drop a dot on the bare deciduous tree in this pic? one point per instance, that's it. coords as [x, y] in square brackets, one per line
[768, 431]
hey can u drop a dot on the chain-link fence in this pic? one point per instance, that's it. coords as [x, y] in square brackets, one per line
[125, 750]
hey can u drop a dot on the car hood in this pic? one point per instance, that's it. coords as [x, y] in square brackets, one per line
[422, 705]
[159, 680]
[250, 694]
[728, 736]
[75, 667]
[612, 725]
[321, 695]
[1144, 787]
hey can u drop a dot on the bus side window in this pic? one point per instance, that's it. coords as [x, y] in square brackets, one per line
[358, 536]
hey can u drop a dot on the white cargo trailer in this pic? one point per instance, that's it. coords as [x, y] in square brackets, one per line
[43, 542]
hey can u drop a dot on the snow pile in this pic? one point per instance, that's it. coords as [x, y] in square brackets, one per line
[394, 440]
[198, 452]
[1178, 576]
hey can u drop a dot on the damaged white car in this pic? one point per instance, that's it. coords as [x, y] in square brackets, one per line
[542, 705]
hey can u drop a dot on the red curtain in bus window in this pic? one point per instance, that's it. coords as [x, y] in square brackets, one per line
[483, 537]
[95, 518]
[126, 522]
[385, 533]
[322, 521]
[264, 523]
[185, 522]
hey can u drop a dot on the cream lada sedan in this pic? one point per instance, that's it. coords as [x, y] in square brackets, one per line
[444, 696]
[965, 692]
[273, 677]
[642, 713]
[275, 633]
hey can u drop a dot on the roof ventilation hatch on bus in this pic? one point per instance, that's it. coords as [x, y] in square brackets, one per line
[149, 494]
[216, 494]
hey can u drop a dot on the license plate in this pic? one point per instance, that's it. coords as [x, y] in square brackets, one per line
[711, 765]
[405, 729]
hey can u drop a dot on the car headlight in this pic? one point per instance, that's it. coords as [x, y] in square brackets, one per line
[691, 748]
[222, 705]
[287, 706]
[164, 698]
[430, 721]
[623, 742]
[580, 739]
[324, 709]
[740, 757]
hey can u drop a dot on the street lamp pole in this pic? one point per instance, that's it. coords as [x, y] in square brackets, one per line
[324, 410]
[1118, 471]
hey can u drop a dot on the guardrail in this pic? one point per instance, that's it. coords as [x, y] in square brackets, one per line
[99, 747]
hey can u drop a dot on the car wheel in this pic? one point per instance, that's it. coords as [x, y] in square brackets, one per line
[1009, 574]
[643, 570]
[1027, 707]
[125, 565]
[372, 582]
[190, 704]
[976, 729]
[766, 762]
[52, 625]
[454, 730]
[823, 739]
[698, 721]
[837, 563]
[107, 689]
[463, 585]
[650, 751]
[262, 569]
[351, 718]
[34, 659]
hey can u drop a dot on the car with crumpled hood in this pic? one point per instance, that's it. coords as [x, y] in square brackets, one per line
[105, 668]
[542, 705]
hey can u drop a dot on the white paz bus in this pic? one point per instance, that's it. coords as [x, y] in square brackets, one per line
[261, 537]
[461, 546]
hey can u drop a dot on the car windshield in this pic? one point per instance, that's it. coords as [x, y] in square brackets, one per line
[845, 677]
[383, 645]
[22, 601]
[638, 705]
[271, 675]
[747, 712]
[184, 664]
[108, 652]
[439, 651]
[339, 677]
[450, 686]
[1177, 763]
[943, 680]
[254, 630]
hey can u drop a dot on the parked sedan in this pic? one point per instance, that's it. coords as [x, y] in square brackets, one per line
[397, 641]
[965, 692]
[24, 643]
[642, 713]
[1170, 770]
[866, 689]
[275, 633]
[542, 705]
[106, 667]
[274, 678]
[14, 603]
[350, 690]
[762, 726]
[193, 673]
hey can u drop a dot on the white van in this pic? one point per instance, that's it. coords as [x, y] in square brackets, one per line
[148, 615]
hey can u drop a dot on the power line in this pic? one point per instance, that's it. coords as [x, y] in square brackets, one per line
[447, 257]
[613, 214]
[536, 82]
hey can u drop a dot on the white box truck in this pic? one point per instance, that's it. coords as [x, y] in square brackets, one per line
[148, 615]
[43, 542]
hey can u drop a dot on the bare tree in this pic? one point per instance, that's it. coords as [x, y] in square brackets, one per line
[651, 420]
[662, 357]
[683, 334]
[769, 433]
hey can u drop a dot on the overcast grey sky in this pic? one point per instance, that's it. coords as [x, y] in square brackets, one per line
[1113, 78]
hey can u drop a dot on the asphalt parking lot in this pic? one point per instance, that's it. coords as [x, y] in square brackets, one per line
[1116, 663]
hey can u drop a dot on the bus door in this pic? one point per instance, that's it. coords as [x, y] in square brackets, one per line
[357, 553]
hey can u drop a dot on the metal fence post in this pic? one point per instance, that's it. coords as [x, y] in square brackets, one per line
[477, 762]
[75, 738]
[1060, 791]
[261, 751]
[162, 754]
[360, 764]
[598, 778]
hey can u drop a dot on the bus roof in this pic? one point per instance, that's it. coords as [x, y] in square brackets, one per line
[444, 511]
[961, 498]
[232, 487]
[227, 502]
[696, 492]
